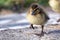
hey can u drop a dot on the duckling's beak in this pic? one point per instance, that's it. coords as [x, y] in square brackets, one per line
[33, 12]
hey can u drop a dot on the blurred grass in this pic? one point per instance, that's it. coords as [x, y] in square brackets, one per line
[43, 2]
[20, 4]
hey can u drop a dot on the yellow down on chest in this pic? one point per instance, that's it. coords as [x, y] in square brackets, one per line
[36, 19]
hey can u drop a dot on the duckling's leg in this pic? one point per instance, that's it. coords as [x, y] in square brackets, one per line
[42, 32]
[31, 26]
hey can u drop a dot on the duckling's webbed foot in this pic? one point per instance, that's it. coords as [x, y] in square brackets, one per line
[41, 34]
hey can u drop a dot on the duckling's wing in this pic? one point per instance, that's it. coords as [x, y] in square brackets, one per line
[43, 12]
[46, 16]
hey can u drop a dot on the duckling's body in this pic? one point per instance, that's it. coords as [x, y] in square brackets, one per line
[38, 19]
[55, 5]
[37, 16]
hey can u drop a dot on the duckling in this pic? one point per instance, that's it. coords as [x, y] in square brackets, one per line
[55, 5]
[36, 16]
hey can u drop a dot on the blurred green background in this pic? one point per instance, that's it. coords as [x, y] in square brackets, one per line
[16, 5]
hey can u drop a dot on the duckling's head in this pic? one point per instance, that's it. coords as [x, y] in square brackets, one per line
[34, 8]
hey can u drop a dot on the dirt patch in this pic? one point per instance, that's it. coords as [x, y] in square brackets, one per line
[52, 33]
